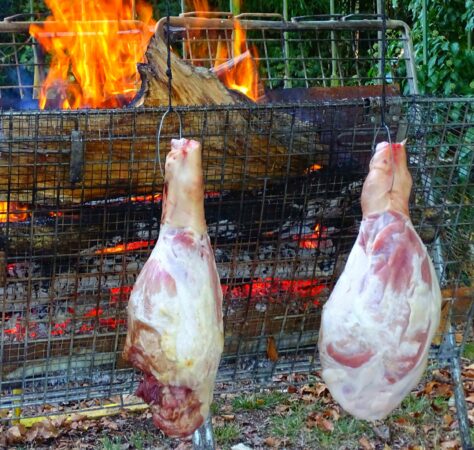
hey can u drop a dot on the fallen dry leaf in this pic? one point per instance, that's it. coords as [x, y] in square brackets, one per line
[325, 424]
[366, 445]
[272, 442]
[427, 428]
[308, 398]
[448, 419]
[76, 417]
[470, 398]
[315, 419]
[112, 425]
[401, 421]
[272, 352]
[292, 389]
[316, 389]
[227, 409]
[228, 417]
[436, 408]
[332, 413]
[280, 409]
[450, 445]
[14, 434]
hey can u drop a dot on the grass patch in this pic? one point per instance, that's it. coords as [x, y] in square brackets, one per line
[347, 432]
[259, 401]
[141, 440]
[226, 434]
[468, 351]
[214, 408]
[291, 425]
[110, 444]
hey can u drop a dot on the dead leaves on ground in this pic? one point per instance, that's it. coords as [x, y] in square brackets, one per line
[306, 394]
[50, 428]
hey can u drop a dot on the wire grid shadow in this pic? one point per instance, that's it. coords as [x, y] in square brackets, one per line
[282, 204]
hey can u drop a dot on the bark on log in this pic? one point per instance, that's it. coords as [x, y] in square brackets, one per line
[241, 147]
[191, 85]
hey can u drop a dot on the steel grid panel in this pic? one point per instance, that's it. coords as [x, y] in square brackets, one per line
[70, 260]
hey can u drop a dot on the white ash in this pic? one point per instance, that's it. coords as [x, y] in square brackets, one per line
[224, 229]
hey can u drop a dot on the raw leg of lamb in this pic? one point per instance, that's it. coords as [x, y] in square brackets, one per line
[175, 330]
[379, 321]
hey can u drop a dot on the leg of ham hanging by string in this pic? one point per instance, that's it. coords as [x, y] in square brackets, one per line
[381, 317]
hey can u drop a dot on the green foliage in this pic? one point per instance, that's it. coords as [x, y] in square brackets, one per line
[450, 66]
[226, 434]
[468, 351]
[291, 425]
[110, 444]
[259, 401]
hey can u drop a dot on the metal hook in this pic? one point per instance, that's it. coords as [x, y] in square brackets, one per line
[392, 159]
[158, 134]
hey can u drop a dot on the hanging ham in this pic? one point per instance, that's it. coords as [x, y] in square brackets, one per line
[175, 330]
[380, 319]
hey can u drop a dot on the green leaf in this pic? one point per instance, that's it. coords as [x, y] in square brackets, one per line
[454, 46]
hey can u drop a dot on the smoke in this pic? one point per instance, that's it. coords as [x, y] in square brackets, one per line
[19, 97]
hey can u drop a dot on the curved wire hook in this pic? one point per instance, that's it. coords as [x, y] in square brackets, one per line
[158, 134]
[392, 159]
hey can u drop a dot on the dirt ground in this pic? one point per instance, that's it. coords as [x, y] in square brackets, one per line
[296, 413]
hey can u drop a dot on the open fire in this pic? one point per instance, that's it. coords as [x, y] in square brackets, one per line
[13, 212]
[95, 46]
[241, 73]
[272, 290]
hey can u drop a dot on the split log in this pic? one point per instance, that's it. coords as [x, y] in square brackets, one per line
[191, 85]
[242, 147]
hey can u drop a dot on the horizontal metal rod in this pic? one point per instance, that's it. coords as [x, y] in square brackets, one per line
[65, 27]
[223, 24]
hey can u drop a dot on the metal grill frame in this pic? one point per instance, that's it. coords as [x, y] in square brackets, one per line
[421, 119]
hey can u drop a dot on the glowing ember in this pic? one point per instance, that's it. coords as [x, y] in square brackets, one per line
[269, 288]
[309, 241]
[95, 47]
[120, 248]
[120, 294]
[111, 322]
[94, 312]
[275, 290]
[146, 198]
[60, 328]
[242, 73]
[313, 168]
[56, 214]
[13, 212]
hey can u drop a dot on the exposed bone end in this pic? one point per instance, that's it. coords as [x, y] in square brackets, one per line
[183, 193]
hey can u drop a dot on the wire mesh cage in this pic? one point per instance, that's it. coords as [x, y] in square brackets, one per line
[80, 204]
[280, 241]
[305, 52]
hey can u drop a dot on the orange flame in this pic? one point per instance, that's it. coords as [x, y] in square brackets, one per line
[310, 241]
[200, 6]
[313, 168]
[120, 248]
[241, 73]
[13, 212]
[98, 44]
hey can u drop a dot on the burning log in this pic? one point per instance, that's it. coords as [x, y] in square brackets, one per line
[191, 85]
[80, 157]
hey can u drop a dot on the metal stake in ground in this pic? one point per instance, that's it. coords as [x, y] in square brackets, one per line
[203, 437]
